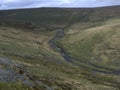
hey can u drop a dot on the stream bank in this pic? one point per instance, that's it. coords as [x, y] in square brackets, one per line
[60, 34]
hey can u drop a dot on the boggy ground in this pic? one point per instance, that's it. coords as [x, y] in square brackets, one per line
[44, 67]
[91, 40]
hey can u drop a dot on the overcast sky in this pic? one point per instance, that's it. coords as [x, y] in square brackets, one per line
[12, 4]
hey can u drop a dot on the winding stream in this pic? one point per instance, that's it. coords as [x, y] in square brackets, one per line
[60, 34]
[8, 74]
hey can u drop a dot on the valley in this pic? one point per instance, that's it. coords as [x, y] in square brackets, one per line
[60, 49]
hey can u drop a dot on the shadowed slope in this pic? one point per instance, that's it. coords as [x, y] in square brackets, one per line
[56, 17]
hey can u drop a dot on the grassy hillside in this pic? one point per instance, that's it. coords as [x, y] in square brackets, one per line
[32, 50]
[99, 45]
[92, 38]
[57, 17]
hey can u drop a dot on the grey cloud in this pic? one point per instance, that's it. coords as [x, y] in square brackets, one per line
[11, 4]
[8, 4]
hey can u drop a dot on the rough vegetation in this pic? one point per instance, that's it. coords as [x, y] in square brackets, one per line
[92, 39]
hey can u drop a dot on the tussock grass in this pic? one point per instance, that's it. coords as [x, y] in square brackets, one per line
[13, 86]
[89, 37]
[32, 50]
[99, 45]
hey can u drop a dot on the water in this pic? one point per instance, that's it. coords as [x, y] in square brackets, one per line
[60, 34]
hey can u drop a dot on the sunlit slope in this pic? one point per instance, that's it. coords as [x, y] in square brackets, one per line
[99, 45]
[92, 38]
[31, 49]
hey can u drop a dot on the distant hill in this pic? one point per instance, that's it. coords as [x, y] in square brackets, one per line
[91, 42]
[56, 17]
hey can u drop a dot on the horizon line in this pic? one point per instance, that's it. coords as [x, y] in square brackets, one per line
[60, 7]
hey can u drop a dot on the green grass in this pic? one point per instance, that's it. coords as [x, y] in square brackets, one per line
[42, 61]
[95, 45]
[91, 35]
[13, 86]
[50, 18]
[98, 45]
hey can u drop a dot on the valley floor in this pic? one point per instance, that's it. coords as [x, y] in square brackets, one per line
[27, 57]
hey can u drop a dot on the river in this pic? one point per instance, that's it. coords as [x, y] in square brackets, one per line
[60, 34]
